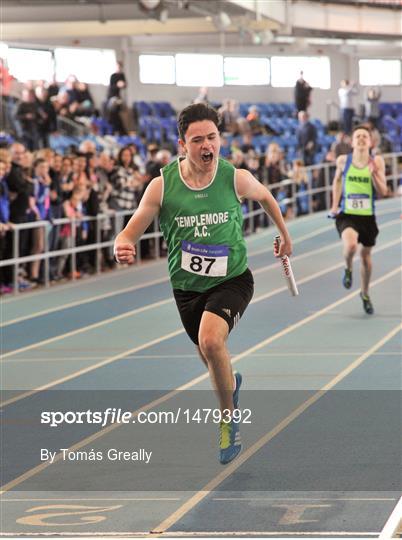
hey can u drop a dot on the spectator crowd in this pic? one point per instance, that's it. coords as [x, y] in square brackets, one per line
[38, 184]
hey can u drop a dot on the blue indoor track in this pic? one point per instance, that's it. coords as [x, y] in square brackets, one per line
[321, 456]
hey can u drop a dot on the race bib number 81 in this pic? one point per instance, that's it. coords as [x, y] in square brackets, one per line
[358, 202]
[204, 260]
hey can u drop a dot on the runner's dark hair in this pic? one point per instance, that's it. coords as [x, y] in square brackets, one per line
[196, 113]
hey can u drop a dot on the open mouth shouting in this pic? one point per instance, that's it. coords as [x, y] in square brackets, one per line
[207, 157]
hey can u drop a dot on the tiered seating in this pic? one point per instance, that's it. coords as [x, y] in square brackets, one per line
[281, 118]
[391, 123]
[125, 140]
[6, 139]
[102, 125]
[62, 144]
[156, 121]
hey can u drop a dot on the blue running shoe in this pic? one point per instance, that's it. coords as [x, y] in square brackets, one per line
[239, 379]
[367, 305]
[229, 441]
[347, 279]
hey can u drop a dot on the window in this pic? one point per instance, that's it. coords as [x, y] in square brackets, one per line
[88, 65]
[379, 72]
[157, 69]
[30, 64]
[3, 50]
[199, 70]
[285, 70]
[246, 71]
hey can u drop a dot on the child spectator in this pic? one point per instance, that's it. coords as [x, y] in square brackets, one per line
[5, 227]
[300, 179]
[40, 207]
[73, 209]
[127, 183]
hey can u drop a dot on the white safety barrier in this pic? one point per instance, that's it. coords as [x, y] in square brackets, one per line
[252, 220]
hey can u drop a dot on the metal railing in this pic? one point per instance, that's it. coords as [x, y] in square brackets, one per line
[116, 220]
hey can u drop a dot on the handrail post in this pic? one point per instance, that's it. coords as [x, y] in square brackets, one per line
[394, 169]
[327, 187]
[46, 262]
[16, 242]
[98, 252]
[310, 174]
[73, 246]
[157, 240]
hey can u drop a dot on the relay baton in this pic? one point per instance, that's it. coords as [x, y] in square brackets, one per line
[287, 270]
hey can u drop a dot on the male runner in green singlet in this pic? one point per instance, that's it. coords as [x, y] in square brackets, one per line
[357, 179]
[198, 199]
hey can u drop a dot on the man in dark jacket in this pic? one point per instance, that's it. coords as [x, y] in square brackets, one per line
[28, 116]
[115, 104]
[302, 94]
[306, 138]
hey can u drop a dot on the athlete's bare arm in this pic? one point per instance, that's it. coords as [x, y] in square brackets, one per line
[250, 188]
[337, 183]
[377, 169]
[148, 209]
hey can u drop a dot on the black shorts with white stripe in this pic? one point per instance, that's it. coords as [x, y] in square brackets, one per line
[228, 300]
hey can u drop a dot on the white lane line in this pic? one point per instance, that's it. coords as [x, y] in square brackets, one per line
[185, 534]
[81, 302]
[333, 499]
[231, 468]
[221, 499]
[323, 249]
[157, 281]
[322, 216]
[66, 499]
[249, 239]
[88, 440]
[179, 356]
[166, 279]
[132, 312]
[167, 336]
[89, 327]
[90, 368]
[393, 525]
[245, 534]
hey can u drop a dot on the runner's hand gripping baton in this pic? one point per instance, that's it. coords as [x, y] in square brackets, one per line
[287, 270]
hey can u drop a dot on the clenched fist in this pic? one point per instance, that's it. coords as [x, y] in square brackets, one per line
[124, 253]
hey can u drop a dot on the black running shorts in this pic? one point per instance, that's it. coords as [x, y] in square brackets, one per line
[227, 300]
[365, 226]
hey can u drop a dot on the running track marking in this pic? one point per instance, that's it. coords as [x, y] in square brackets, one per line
[233, 499]
[143, 285]
[88, 440]
[212, 484]
[185, 534]
[356, 499]
[166, 279]
[150, 343]
[170, 299]
[156, 356]
[391, 528]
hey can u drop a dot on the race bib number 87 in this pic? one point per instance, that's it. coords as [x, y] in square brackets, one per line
[204, 260]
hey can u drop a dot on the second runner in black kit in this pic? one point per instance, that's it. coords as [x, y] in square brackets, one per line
[198, 199]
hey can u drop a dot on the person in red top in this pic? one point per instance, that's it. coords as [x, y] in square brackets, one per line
[6, 80]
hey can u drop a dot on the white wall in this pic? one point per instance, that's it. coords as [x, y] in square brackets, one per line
[344, 64]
